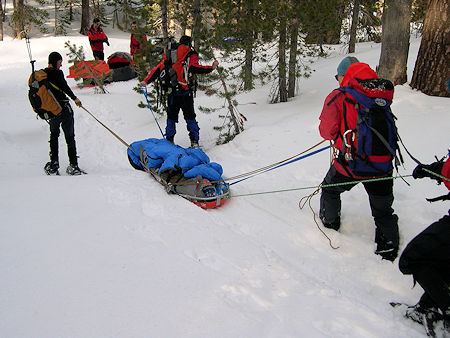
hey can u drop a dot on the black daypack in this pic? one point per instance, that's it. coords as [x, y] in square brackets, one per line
[41, 97]
[174, 77]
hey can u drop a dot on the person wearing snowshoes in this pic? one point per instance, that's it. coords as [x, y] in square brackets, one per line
[181, 93]
[65, 119]
[427, 259]
[339, 114]
[97, 37]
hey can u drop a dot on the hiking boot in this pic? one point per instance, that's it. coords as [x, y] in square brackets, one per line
[74, 170]
[209, 191]
[335, 225]
[51, 168]
[387, 250]
[194, 144]
[425, 316]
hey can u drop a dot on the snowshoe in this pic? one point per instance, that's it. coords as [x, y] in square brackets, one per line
[74, 170]
[430, 318]
[52, 168]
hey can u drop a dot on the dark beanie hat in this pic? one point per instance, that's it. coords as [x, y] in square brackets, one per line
[185, 40]
[53, 58]
[345, 63]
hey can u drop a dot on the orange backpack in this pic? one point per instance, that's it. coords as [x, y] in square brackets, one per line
[41, 98]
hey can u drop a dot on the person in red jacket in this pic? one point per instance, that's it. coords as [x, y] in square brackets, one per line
[96, 38]
[137, 40]
[381, 192]
[181, 95]
[427, 259]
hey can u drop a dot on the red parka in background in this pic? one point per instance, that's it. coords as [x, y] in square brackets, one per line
[137, 43]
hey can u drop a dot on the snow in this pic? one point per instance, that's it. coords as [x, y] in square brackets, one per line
[110, 254]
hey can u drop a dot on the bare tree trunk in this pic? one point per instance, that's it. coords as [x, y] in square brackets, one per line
[195, 35]
[282, 59]
[432, 70]
[293, 57]
[84, 17]
[1, 20]
[248, 66]
[354, 27]
[55, 8]
[164, 22]
[395, 41]
[18, 13]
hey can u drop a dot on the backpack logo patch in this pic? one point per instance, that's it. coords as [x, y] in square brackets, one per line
[380, 102]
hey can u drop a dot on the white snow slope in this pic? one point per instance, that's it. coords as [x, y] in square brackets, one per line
[110, 254]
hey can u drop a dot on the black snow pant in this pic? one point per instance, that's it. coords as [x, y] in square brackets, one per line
[66, 121]
[98, 55]
[185, 102]
[427, 259]
[381, 198]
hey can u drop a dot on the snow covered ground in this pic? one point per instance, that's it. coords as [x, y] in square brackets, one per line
[110, 254]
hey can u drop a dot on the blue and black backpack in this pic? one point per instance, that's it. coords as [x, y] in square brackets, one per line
[371, 147]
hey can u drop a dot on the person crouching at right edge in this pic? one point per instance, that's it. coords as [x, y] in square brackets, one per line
[338, 115]
[427, 259]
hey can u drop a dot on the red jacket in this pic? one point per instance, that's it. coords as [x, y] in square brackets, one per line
[193, 68]
[135, 44]
[96, 38]
[446, 172]
[332, 125]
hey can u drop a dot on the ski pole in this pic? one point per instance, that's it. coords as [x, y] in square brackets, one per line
[149, 107]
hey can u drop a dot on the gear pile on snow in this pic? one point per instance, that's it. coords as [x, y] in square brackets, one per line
[185, 172]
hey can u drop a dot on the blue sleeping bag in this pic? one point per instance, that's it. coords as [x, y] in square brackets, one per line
[164, 155]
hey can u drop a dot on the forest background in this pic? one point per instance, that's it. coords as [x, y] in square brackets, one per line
[263, 40]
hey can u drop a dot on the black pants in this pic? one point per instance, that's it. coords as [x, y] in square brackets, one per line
[66, 121]
[98, 55]
[185, 102]
[381, 198]
[427, 258]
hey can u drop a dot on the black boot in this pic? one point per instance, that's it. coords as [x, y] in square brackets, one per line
[51, 168]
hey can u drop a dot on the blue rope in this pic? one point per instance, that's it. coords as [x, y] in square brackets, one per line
[280, 165]
[149, 107]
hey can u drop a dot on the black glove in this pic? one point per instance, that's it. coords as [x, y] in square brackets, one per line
[435, 167]
[107, 42]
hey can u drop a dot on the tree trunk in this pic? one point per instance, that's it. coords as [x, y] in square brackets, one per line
[282, 62]
[293, 57]
[1, 21]
[84, 17]
[395, 41]
[165, 28]
[18, 13]
[55, 8]
[431, 71]
[354, 27]
[195, 35]
[248, 66]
